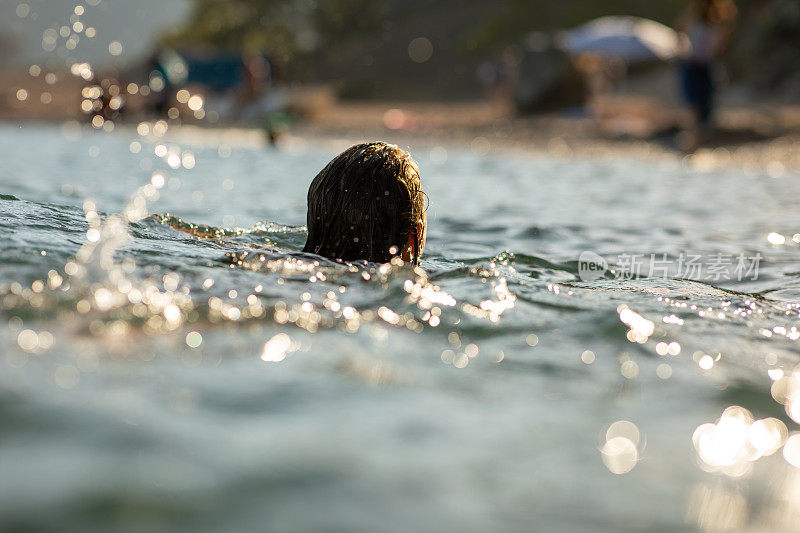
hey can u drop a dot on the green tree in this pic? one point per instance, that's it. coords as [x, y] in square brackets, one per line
[243, 25]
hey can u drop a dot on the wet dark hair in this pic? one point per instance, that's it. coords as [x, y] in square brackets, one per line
[365, 204]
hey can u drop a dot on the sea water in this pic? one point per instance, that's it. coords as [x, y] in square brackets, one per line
[172, 361]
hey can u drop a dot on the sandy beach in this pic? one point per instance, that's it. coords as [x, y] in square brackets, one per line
[747, 136]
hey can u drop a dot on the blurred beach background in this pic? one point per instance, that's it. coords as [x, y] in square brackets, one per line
[601, 336]
[497, 76]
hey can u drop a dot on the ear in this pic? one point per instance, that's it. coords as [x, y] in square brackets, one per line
[408, 250]
[415, 244]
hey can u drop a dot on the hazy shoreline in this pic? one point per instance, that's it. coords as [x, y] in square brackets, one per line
[748, 137]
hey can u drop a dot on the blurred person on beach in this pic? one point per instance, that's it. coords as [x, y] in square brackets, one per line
[499, 74]
[707, 26]
[258, 76]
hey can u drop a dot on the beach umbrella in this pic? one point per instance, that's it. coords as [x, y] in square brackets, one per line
[631, 39]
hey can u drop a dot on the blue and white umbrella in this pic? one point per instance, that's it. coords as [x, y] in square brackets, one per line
[630, 39]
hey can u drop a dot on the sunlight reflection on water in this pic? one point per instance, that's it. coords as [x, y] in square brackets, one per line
[491, 360]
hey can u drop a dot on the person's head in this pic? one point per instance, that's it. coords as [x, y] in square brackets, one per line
[367, 204]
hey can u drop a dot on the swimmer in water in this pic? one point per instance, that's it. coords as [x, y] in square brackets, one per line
[367, 204]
